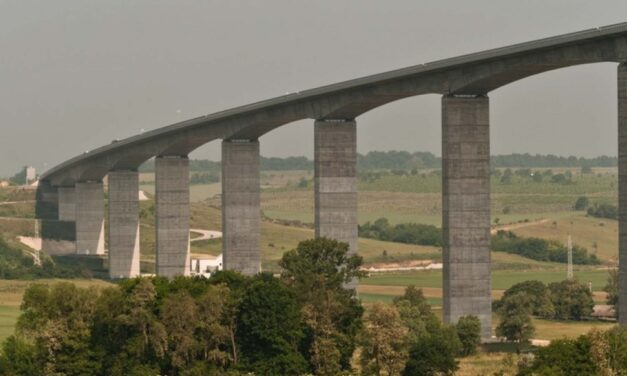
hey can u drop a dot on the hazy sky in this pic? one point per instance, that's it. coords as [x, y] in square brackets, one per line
[76, 74]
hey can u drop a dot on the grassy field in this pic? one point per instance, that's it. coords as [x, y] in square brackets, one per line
[8, 319]
[501, 279]
[197, 192]
[269, 180]
[16, 194]
[598, 235]
[552, 329]
[418, 198]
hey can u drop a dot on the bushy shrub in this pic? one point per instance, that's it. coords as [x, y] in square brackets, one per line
[603, 211]
[408, 233]
[540, 249]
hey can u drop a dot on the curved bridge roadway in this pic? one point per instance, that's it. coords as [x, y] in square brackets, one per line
[71, 193]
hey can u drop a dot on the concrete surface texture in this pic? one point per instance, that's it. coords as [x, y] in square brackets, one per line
[172, 215]
[622, 191]
[123, 224]
[335, 180]
[466, 209]
[67, 204]
[241, 215]
[89, 218]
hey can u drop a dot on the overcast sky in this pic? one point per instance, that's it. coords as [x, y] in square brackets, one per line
[76, 74]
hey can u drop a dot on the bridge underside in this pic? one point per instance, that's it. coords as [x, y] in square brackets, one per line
[71, 197]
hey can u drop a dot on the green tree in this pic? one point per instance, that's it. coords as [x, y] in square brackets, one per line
[582, 203]
[507, 177]
[469, 333]
[269, 330]
[515, 318]
[58, 319]
[236, 283]
[319, 271]
[563, 357]
[560, 179]
[611, 288]
[432, 346]
[302, 183]
[127, 328]
[416, 299]
[179, 316]
[213, 330]
[608, 211]
[537, 177]
[19, 357]
[19, 178]
[572, 300]
[383, 341]
[538, 294]
[615, 349]
[415, 313]
[433, 353]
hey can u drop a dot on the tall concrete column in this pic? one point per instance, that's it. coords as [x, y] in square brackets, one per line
[622, 193]
[47, 201]
[89, 218]
[466, 209]
[123, 224]
[67, 203]
[335, 175]
[172, 215]
[241, 216]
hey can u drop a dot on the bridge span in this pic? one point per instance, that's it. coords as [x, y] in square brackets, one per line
[70, 195]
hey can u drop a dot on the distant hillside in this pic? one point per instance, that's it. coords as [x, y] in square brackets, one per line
[404, 160]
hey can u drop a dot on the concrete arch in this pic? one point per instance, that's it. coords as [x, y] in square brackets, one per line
[474, 74]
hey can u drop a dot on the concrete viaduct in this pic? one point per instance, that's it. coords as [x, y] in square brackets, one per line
[72, 192]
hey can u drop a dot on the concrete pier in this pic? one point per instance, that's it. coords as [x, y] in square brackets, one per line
[47, 201]
[67, 204]
[335, 175]
[89, 218]
[241, 216]
[622, 192]
[123, 224]
[172, 215]
[466, 209]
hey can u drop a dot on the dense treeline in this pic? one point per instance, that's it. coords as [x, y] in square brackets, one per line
[204, 178]
[565, 300]
[397, 160]
[303, 322]
[406, 161]
[409, 233]
[19, 178]
[286, 164]
[550, 160]
[540, 249]
[504, 241]
[593, 354]
[267, 164]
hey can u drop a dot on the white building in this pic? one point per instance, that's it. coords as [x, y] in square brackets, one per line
[205, 267]
[31, 174]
